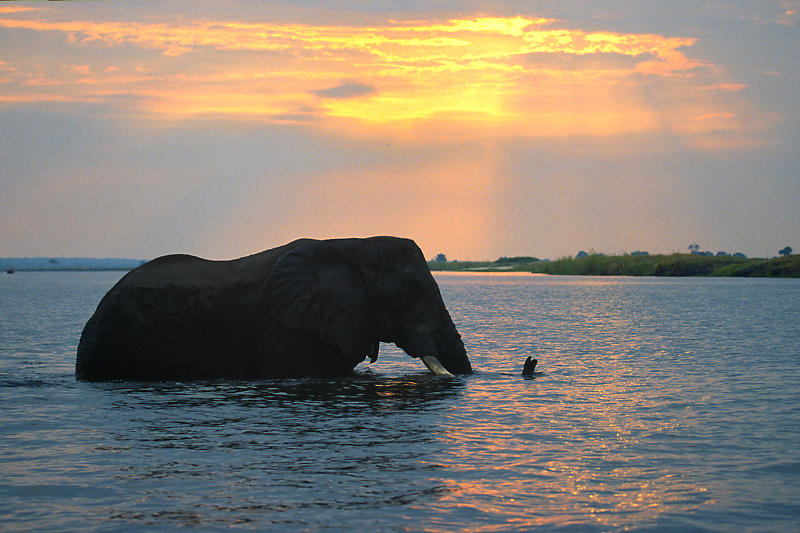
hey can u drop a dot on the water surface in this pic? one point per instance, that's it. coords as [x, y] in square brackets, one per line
[664, 404]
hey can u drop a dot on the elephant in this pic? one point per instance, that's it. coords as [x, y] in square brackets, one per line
[308, 308]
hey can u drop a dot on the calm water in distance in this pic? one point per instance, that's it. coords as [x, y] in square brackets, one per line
[664, 405]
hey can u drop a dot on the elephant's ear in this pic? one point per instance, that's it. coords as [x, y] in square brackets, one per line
[315, 288]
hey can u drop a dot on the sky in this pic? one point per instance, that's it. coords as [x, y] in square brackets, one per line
[478, 129]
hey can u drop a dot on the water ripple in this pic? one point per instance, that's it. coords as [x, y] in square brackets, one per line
[662, 405]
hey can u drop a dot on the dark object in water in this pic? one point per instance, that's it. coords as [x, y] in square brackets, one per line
[530, 364]
[309, 308]
[9, 270]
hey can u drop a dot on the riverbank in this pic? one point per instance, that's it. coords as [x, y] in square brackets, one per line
[636, 265]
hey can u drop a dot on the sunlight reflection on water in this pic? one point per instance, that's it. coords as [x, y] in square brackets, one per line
[663, 404]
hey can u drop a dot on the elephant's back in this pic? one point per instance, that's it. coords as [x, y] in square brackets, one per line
[177, 270]
[162, 320]
[144, 324]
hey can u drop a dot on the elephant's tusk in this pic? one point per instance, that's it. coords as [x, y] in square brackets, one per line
[435, 366]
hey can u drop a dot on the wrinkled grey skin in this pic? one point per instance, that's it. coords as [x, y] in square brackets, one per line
[309, 308]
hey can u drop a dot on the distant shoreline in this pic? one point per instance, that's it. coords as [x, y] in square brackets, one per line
[676, 265]
[67, 264]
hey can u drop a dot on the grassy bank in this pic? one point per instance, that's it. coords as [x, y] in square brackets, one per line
[628, 265]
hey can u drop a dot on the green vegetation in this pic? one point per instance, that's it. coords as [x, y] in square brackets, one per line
[637, 265]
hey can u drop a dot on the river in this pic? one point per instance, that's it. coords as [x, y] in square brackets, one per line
[662, 404]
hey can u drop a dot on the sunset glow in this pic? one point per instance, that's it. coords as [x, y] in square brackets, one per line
[535, 131]
[513, 75]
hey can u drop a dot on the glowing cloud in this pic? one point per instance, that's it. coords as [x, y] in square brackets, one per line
[515, 75]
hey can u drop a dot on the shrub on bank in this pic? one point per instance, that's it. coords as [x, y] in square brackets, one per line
[671, 265]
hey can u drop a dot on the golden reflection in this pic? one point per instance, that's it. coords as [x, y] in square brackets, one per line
[614, 503]
[510, 75]
[588, 451]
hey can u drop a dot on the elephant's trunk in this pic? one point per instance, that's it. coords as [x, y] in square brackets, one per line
[451, 351]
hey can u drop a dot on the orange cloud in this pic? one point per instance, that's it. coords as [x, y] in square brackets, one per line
[507, 75]
[728, 87]
[14, 9]
[789, 14]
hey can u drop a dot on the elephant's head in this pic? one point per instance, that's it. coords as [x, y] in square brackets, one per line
[355, 293]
